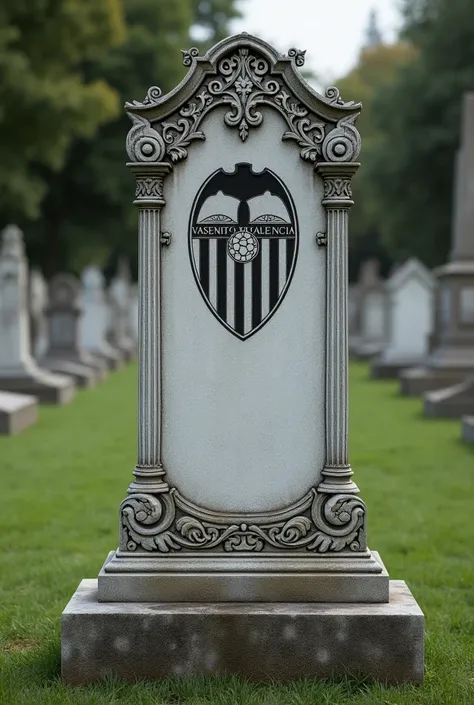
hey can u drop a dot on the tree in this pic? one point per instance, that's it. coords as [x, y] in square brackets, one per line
[377, 67]
[417, 118]
[45, 102]
[88, 212]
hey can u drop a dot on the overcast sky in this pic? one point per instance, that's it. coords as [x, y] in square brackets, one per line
[331, 31]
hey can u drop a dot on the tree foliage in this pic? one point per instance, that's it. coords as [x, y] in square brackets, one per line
[410, 167]
[45, 103]
[377, 67]
[87, 213]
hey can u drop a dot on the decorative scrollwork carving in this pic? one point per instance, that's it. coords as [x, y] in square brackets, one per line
[189, 55]
[298, 56]
[144, 144]
[334, 97]
[243, 84]
[149, 187]
[336, 187]
[342, 143]
[167, 522]
[152, 97]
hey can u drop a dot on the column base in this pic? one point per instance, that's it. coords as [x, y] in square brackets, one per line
[284, 577]
[256, 641]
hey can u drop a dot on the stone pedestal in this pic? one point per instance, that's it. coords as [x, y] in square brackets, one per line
[257, 641]
[452, 402]
[467, 431]
[242, 530]
[95, 317]
[18, 370]
[369, 334]
[17, 412]
[410, 293]
[451, 357]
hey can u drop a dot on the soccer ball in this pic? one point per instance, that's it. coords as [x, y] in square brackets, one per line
[242, 246]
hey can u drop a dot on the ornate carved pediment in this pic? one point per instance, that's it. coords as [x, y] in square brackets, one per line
[243, 74]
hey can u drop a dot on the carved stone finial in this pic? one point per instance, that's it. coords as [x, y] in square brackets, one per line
[189, 55]
[152, 97]
[298, 56]
[12, 242]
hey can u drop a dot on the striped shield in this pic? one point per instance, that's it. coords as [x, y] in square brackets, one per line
[243, 245]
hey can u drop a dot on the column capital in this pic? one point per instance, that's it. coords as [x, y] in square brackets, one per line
[337, 178]
[150, 178]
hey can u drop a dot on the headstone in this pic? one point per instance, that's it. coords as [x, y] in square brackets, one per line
[370, 319]
[18, 370]
[120, 295]
[94, 321]
[467, 429]
[243, 523]
[451, 358]
[65, 352]
[133, 313]
[410, 293]
[17, 412]
[38, 302]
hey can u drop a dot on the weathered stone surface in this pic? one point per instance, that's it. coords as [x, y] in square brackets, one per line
[17, 412]
[259, 641]
[452, 402]
[468, 429]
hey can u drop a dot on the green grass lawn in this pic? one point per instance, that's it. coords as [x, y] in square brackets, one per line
[62, 480]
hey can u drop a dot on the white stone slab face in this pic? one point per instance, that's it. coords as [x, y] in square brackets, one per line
[466, 305]
[411, 319]
[373, 316]
[95, 312]
[243, 420]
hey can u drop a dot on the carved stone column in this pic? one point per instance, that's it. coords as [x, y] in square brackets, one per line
[149, 472]
[337, 202]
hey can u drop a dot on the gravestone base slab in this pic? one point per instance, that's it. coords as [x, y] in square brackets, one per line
[256, 641]
[384, 369]
[468, 429]
[452, 402]
[415, 381]
[49, 388]
[113, 358]
[83, 375]
[17, 412]
[189, 578]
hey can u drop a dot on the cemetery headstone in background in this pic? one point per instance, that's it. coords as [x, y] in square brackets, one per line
[120, 294]
[243, 537]
[38, 301]
[133, 313]
[18, 370]
[95, 318]
[370, 318]
[409, 301]
[65, 352]
[451, 358]
[17, 412]
[467, 429]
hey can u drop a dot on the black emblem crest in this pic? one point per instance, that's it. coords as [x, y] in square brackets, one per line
[243, 245]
